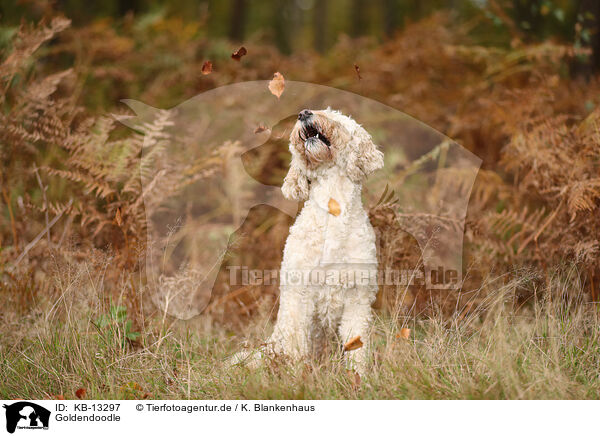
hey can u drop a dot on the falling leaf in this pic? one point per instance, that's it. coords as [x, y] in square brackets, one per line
[357, 69]
[277, 85]
[237, 55]
[207, 67]
[554, 81]
[404, 333]
[260, 129]
[118, 218]
[334, 207]
[80, 393]
[353, 344]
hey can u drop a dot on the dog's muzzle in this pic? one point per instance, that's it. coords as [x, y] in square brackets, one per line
[316, 145]
[309, 133]
[304, 115]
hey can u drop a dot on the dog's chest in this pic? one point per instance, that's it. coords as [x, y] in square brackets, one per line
[323, 236]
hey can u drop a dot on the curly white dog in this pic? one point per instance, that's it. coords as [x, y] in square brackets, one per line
[328, 273]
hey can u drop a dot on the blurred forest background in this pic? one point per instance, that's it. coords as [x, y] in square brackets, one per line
[296, 25]
[516, 82]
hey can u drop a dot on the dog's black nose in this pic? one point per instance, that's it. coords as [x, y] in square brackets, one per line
[305, 114]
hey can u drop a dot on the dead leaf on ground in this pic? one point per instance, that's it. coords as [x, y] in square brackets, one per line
[357, 69]
[334, 209]
[207, 67]
[132, 389]
[58, 397]
[80, 393]
[237, 55]
[277, 85]
[404, 333]
[353, 344]
[354, 378]
[131, 386]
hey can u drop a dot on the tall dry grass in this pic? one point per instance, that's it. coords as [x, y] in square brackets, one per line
[496, 351]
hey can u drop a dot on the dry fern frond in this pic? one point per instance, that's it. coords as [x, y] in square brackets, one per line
[27, 41]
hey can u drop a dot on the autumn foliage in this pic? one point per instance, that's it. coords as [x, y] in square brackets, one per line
[69, 172]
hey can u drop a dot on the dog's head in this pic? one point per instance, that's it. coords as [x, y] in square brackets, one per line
[327, 138]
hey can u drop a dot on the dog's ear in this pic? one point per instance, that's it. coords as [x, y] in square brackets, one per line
[363, 156]
[295, 184]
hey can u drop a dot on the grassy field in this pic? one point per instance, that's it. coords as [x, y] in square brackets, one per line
[80, 346]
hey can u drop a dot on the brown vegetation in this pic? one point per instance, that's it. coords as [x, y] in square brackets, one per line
[67, 169]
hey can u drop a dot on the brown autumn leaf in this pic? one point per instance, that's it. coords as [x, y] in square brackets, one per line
[132, 390]
[357, 69]
[237, 55]
[277, 84]
[207, 67]
[353, 344]
[59, 397]
[404, 333]
[80, 393]
[334, 207]
[131, 386]
[260, 129]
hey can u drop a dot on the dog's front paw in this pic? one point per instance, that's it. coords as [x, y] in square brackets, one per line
[295, 186]
[249, 358]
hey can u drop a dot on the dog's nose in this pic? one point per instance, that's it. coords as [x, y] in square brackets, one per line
[303, 115]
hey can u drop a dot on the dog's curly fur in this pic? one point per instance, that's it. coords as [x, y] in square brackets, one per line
[329, 263]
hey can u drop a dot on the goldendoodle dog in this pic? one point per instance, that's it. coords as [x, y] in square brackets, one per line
[328, 273]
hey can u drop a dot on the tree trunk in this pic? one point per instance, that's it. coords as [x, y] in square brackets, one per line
[238, 20]
[320, 20]
[390, 16]
[590, 10]
[359, 18]
[281, 26]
